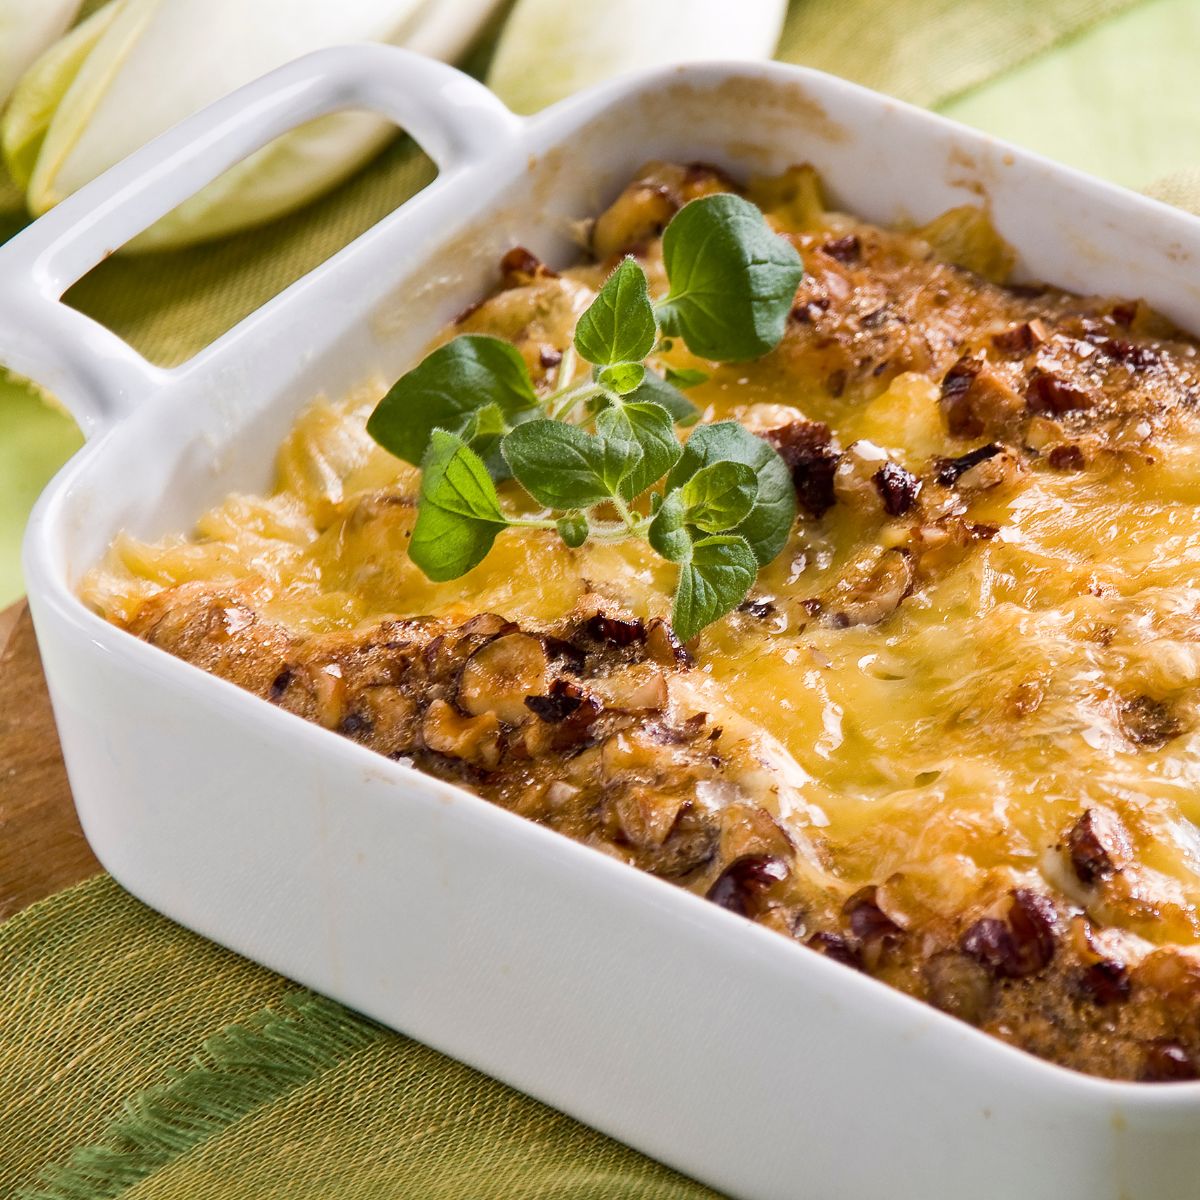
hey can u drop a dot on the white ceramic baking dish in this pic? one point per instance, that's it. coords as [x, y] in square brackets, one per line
[706, 1041]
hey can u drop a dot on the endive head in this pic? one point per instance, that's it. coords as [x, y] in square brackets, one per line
[136, 67]
[27, 28]
[550, 49]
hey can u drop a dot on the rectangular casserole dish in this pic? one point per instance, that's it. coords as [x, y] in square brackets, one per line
[703, 1040]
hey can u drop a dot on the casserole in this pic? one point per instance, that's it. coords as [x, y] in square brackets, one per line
[411, 900]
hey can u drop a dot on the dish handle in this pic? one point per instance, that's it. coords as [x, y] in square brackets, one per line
[95, 374]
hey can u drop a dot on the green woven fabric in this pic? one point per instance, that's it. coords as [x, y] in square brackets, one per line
[137, 1060]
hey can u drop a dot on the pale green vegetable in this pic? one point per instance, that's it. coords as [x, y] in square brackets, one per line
[27, 27]
[40, 91]
[550, 49]
[447, 29]
[139, 66]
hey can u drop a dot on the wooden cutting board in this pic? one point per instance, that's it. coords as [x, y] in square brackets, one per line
[42, 848]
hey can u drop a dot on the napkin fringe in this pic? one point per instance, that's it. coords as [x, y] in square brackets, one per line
[236, 1070]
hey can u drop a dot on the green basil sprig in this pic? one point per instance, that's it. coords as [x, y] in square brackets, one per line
[602, 457]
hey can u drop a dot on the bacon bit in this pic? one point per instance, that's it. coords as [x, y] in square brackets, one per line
[1020, 943]
[949, 469]
[1106, 982]
[1021, 339]
[1098, 845]
[1168, 1062]
[739, 888]
[975, 398]
[834, 946]
[807, 449]
[844, 249]
[1125, 313]
[1068, 457]
[1148, 722]
[1048, 393]
[898, 488]
[567, 654]
[615, 631]
[572, 731]
[519, 267]
[955, 386]
[558, 704]
[1132, 354]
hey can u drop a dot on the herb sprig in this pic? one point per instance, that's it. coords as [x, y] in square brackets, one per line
[602, 456]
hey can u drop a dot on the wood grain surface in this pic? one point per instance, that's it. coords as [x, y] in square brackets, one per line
[42, 848]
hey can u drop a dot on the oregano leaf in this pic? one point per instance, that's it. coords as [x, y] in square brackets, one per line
[719, 497]
[446, 390]
[684, 377]
[563, 466]
[622, 378]
[769, 522]
[733, 279]
[619, 324]
[667, 533]
[714, 581]
[458, 513]
[654, 389]
[649, 426]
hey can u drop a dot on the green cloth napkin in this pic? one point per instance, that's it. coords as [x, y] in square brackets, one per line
[143, 1062]
[139, 1061]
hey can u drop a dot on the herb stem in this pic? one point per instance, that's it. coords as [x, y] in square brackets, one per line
[566, 369]
[624, 513]
[609, 532]
[531, 522]
[572, 398]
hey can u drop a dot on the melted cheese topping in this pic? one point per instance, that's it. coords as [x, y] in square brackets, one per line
[955, 741]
